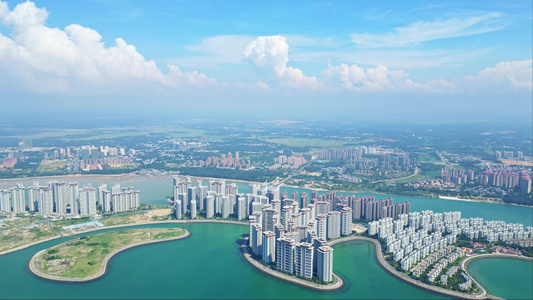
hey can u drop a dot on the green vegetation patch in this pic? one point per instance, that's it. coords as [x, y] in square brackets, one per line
[83, 258]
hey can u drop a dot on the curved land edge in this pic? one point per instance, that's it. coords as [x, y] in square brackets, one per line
[468, 260]
[385, 265]
[118, 226]
[337, 284]
[103, 267]
[379, 255]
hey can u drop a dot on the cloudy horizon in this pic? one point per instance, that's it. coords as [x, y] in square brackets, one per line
[456, 62]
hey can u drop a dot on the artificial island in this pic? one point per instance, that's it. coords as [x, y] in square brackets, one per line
[291, 235]
[86, 258]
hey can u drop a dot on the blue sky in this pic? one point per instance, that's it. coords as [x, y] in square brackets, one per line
[407, 59]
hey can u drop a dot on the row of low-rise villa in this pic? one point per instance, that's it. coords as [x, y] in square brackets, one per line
[451, 271]
[419, 240]
[443, 263]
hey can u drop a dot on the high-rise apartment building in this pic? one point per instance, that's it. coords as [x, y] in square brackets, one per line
[325, 263]
[269, 247]
[333, 225]
[304, 260]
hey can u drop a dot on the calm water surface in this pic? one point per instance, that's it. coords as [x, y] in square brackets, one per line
[209, 265]
[506, 277]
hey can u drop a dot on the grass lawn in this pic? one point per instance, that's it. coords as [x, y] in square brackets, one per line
[71, 222]
[84, 257]
[406, 180]
[308, 142]
[19, 236]
[125, 218]
[49, 167]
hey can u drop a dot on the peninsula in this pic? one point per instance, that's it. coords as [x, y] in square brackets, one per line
[85, 258]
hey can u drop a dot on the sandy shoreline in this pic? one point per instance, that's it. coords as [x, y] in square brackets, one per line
[103, 267]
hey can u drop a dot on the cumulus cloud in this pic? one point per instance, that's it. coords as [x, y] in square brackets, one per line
[432, 30]
[372, 79]
[514, 75]
[52, 59]
[505, 77]
[272, 53]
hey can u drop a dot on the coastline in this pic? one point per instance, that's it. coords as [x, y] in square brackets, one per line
[385, 265]
[466, 261]
[74, 176]
[117, 226]
[338, 283]
[103, 267]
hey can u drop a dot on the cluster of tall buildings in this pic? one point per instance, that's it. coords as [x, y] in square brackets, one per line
[369, 209]
[216, 199]
[290, 232]
[294, 234]
[295, 161]
[224, 161]
[60, 198]
[92, 152]
[508, 179]
[457, 176]
[508, 155]
[389, 162]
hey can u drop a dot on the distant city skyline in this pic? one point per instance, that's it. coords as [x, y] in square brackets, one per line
[448, 61]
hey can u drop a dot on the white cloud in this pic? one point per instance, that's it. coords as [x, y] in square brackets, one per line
[75, 58]
[23, 16]
[505, 76]
[272, 53]
[426, 31]
[372, 79]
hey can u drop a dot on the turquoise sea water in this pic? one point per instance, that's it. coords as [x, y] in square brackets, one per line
[208, 264]
[508, 277]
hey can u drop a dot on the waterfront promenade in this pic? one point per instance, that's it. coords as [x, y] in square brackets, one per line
[103, 267]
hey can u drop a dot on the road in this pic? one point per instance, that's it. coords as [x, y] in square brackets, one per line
[444, 160]
[296, 172]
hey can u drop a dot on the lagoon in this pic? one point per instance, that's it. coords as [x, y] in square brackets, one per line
[208, 264]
